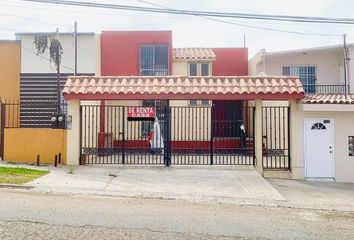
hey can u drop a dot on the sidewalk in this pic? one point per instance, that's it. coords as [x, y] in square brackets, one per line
[231, 185]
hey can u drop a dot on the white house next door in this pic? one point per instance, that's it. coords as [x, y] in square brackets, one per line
[319, 148]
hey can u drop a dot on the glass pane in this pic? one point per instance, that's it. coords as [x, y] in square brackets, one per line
[153, 60]
[192, 69]
[205, 69]
[193, 102]
[205, 102]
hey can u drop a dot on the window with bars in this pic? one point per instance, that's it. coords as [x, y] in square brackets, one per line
[307, 76]
[154, 60]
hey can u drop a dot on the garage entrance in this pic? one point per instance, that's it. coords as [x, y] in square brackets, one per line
[189, 136]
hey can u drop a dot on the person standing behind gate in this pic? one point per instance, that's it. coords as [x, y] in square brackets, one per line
[155, 138]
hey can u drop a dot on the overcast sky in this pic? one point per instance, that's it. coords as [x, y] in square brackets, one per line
[189, 31]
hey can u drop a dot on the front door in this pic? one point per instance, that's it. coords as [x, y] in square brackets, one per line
[319, 148]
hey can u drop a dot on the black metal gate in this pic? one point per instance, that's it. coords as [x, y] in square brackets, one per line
[276, 138]
[188, 133]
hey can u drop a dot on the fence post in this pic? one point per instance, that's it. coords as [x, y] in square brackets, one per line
[167, 136]
[56, 161]
[2, 128]
[123, 136]
[38, 160]
[211, 136]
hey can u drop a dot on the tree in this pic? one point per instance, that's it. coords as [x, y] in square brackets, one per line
[55, 55]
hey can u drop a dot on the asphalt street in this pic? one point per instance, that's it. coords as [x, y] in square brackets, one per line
[32, 215]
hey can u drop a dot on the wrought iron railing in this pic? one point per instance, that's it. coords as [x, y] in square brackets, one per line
[325, 89]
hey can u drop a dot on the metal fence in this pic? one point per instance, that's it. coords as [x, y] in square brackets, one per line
[276, 138]
[31, 113]
[326, 89]
[188, 137]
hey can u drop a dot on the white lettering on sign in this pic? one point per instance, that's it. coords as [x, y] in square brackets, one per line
[141, 112]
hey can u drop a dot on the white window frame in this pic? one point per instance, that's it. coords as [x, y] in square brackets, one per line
[199, 68]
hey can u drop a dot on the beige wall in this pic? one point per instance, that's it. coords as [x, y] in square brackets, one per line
[180, 68]
[342, 128]
[88, 55]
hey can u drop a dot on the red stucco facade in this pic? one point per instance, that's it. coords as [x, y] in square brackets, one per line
[120, 50]
[230, 62]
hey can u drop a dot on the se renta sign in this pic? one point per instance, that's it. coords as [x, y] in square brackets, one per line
[141, 113]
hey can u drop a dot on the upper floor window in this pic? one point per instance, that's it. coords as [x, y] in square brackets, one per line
[307, 76]
[154, 60]
[199, 69]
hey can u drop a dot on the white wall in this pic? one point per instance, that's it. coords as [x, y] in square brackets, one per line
[329, 64]
[88, 55]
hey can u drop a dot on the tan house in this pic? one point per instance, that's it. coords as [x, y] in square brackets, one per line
[322, 122]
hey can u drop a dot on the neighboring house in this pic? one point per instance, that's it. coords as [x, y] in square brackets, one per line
[38, 80]
[321, 69]
[10, 55]
[322, 125]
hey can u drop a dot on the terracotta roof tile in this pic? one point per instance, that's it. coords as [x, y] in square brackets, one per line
[328, 99]
[182, 85]
[193, 54]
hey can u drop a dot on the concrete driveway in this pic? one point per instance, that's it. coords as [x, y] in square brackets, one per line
[196, 183]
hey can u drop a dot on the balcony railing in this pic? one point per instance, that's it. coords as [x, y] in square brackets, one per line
[325, 89]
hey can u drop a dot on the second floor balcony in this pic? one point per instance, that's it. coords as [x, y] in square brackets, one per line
[325, 89]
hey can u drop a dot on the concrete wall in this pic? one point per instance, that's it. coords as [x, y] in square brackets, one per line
[10, 59]
[180, 68]
[342, 128]
[230, 62]
[120, 50]
[329, 64]
[88, 55]
[22, 145]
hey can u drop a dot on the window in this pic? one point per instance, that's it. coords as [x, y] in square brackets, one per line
[204, 69]
[194, 103]
[318, 126]
[199, 69]
[193, 69]
[307, 75]
[153, 60]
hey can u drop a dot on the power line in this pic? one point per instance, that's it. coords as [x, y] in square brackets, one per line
[247, 25]
[32, 19]
[301, 19]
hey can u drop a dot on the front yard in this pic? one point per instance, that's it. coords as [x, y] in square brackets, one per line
[19, 175]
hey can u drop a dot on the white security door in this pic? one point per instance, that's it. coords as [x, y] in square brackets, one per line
[319, 148]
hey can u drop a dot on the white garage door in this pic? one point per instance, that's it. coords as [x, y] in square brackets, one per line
[319, 148]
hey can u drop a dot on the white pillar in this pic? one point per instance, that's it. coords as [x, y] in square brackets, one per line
[258, 148]
[73, 134]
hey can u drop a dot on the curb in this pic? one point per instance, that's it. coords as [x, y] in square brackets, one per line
[15, 186]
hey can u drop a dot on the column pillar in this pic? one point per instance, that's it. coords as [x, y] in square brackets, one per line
[73, 134]
[258, 148]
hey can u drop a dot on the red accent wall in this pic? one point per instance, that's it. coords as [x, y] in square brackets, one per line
[230, 62]
[120, 50]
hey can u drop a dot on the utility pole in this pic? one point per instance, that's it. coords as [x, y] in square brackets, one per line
[345, 62]
[75, 36]
[58, 73]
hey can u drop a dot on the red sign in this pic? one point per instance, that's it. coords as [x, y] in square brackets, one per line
[141, 112]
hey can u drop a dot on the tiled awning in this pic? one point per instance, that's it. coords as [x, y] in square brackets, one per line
[178, 87]
[328, 99]
[193, 54]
